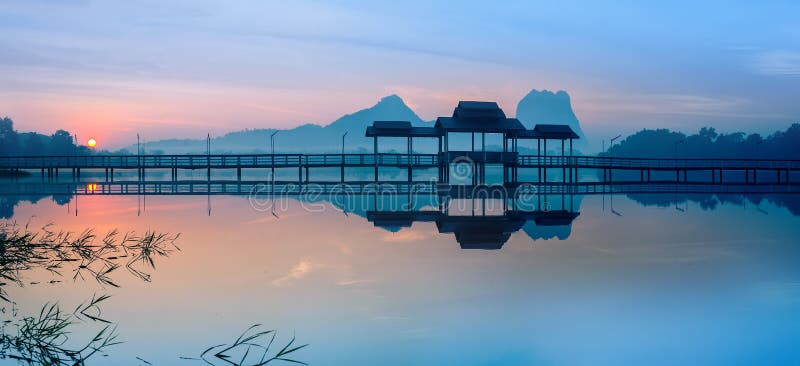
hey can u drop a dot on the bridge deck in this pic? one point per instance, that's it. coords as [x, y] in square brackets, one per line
[223, 161]
[314, 189]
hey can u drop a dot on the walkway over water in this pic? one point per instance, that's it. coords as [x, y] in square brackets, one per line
[316, 189]
[512, 163]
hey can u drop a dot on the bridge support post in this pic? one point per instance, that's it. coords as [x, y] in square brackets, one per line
[720, 176]
[238, 174]
[746, 176]
[713, 176]
[684, 176]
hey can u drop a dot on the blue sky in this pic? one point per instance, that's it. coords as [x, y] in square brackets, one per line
[185, 68]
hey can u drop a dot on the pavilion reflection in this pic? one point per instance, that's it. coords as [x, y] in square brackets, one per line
[485, 222]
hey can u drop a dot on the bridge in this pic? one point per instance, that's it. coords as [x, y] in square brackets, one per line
[317, 189]
[779, 171]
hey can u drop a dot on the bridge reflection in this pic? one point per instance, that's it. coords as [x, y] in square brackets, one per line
[478, 216]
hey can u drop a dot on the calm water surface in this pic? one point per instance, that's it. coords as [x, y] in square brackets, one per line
[629, 285]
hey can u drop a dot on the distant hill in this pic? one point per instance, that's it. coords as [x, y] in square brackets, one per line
[305, 138]
[537, 107]
[548, 107]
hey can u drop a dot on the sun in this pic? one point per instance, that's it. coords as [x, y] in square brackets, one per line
[91, 142]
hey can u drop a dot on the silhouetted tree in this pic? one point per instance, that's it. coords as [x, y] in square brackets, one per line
[709, 143]
[9, 142]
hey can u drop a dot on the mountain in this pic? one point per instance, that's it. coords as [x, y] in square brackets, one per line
[536, 107]
[305, 138]
[548, 107]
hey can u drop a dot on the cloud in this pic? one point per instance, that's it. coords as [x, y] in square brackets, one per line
[666, 104]
[778, 63]
[300, 270]
[354, 282]
[405, 236]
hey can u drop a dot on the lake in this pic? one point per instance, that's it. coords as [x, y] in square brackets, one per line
[630, 279]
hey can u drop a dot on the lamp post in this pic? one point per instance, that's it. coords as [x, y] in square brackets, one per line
[138, 152]
[272, 141]
[611, 144]
[343, 136]
[272, 155]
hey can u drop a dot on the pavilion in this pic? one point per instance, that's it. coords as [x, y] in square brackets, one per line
[477, 119]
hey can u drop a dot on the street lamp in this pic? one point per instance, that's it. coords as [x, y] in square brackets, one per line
[342, 172]
[611, 145]
[272, 140]
[272, 157]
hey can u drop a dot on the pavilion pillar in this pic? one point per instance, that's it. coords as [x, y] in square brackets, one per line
[539, 159]
[563, 163]
[410, 148]
[375, 155]
[473, 141]
[544, 169]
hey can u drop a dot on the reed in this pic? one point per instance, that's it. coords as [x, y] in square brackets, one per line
[254, 347]
[43, 339]
[83, 254]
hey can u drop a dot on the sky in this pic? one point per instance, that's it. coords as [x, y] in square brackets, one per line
[111, 69]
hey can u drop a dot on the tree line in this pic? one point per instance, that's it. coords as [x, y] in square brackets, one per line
[13, 142]
[708, 143]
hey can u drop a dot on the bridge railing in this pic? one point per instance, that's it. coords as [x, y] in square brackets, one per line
[383, 159]
[656, 163]
[215, 160]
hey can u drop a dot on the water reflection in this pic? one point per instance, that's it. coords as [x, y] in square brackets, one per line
[481, 223]
[370, 278]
